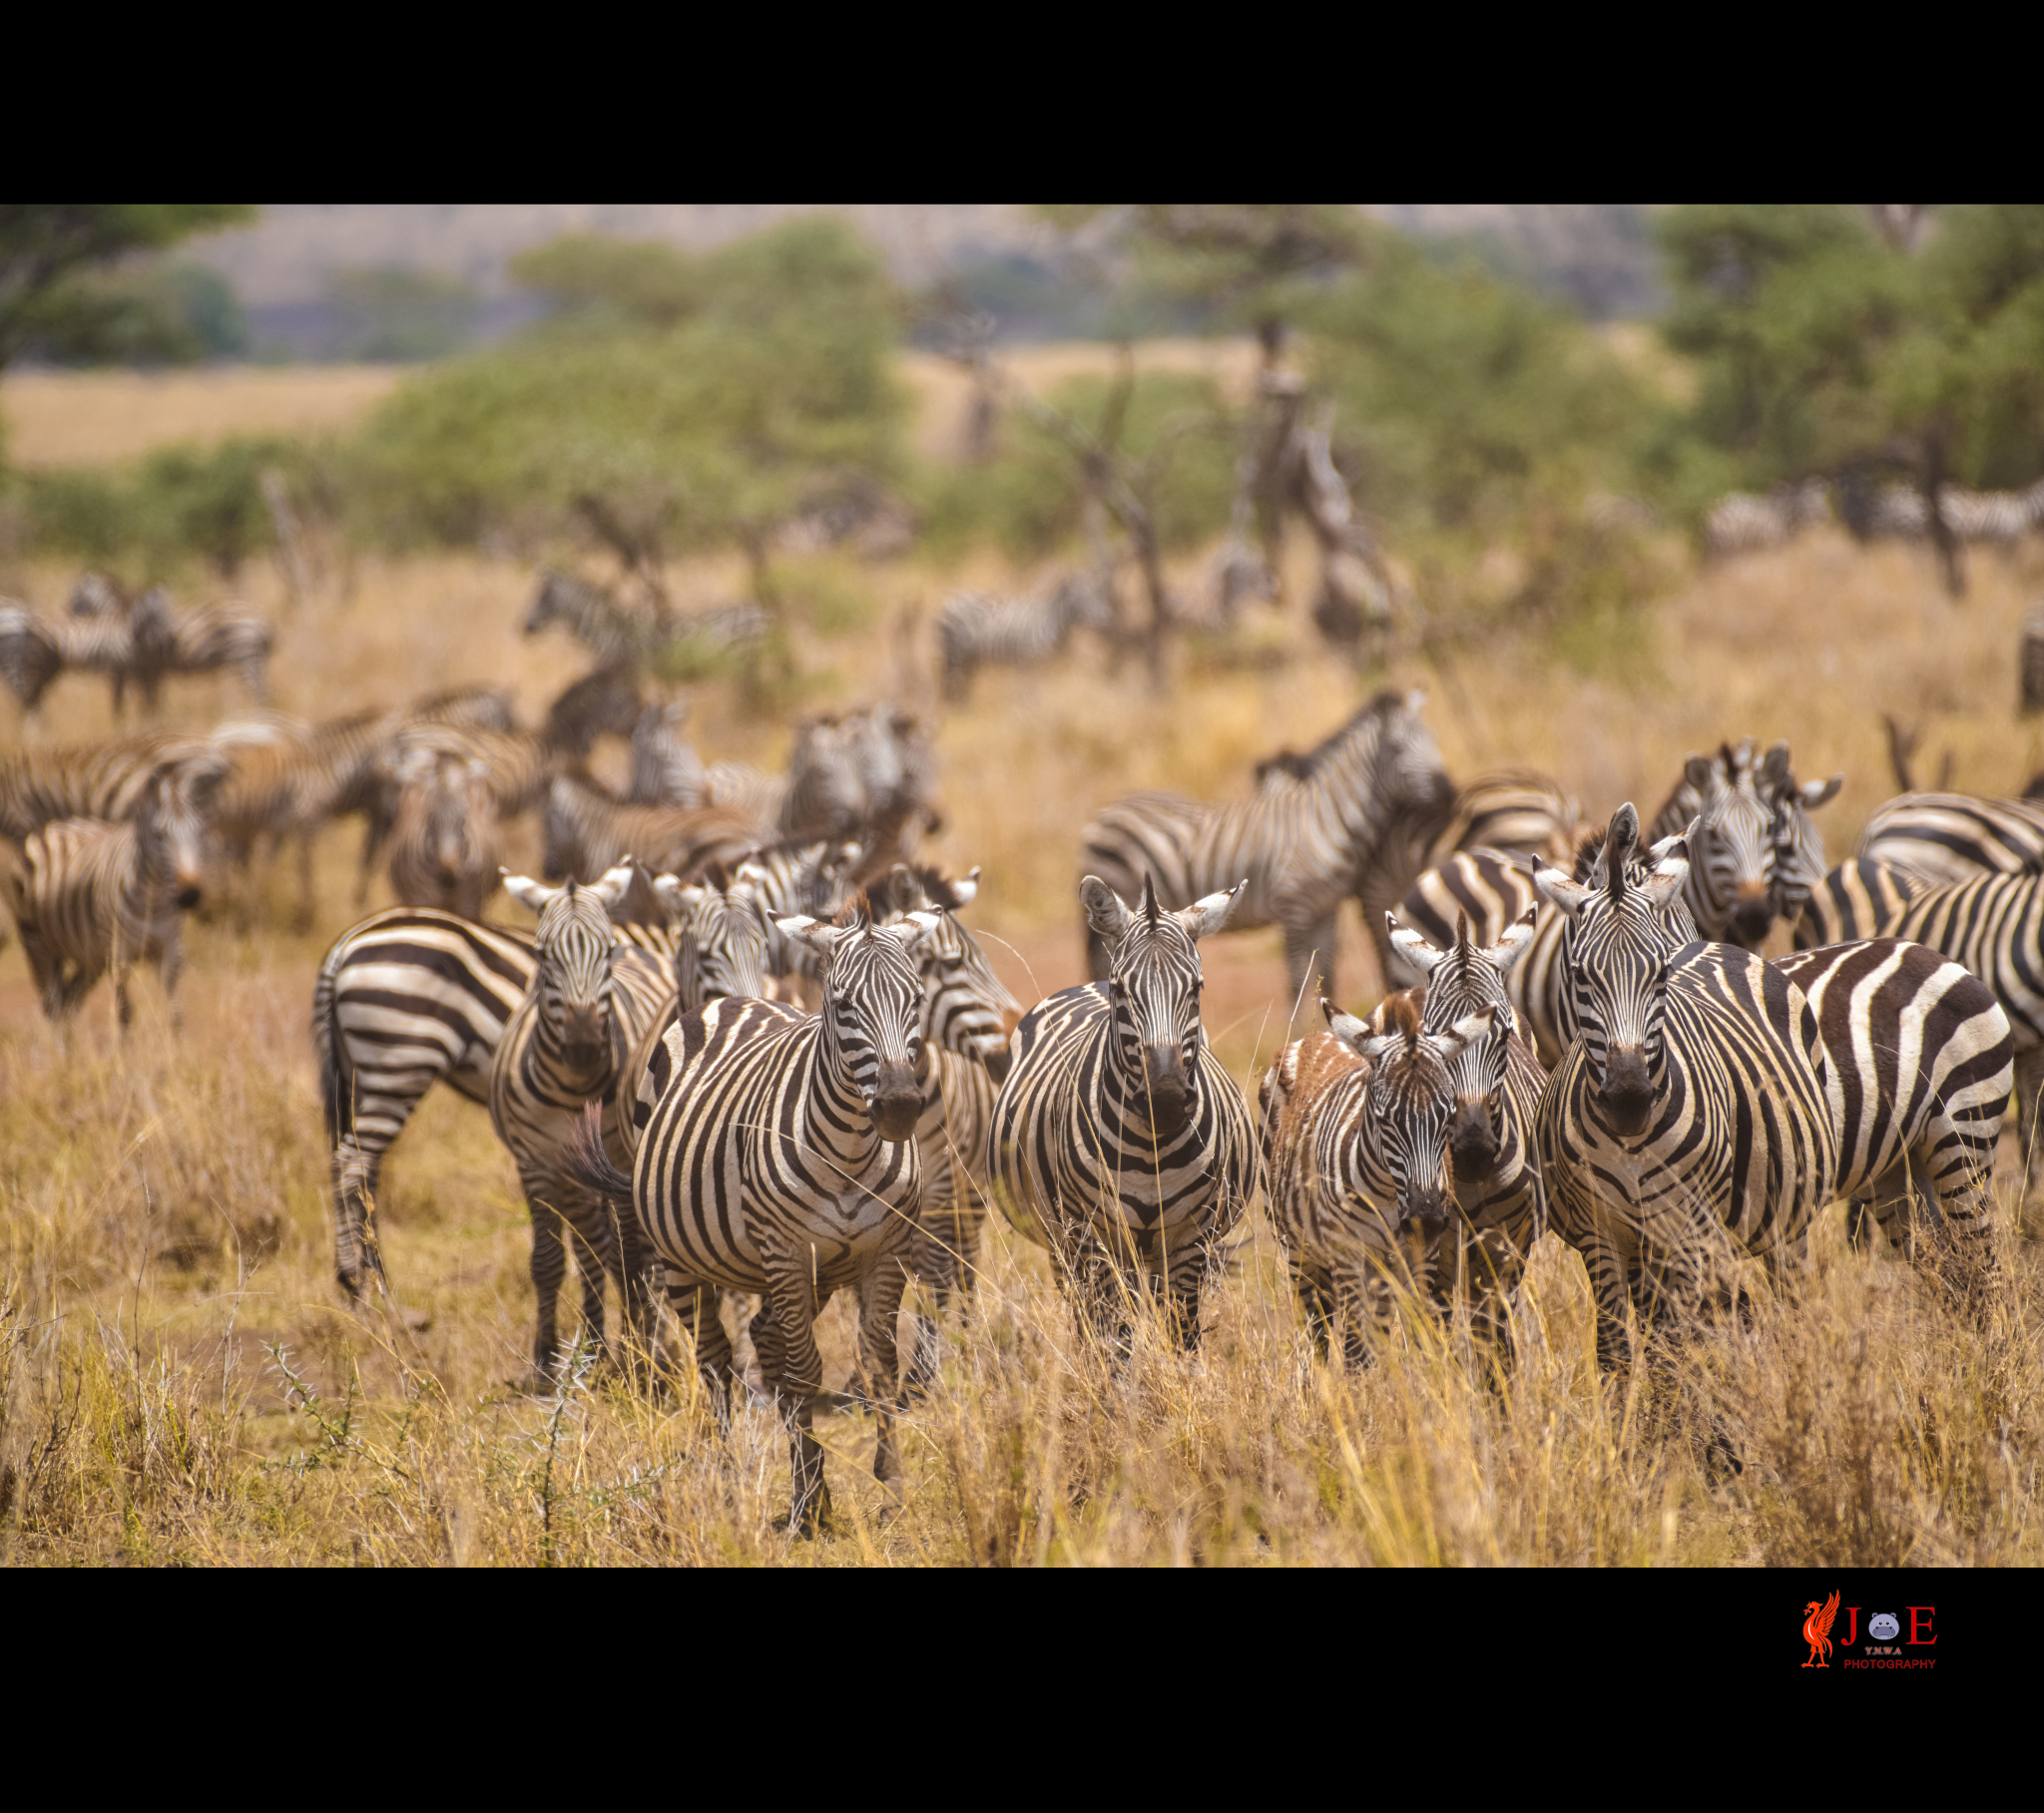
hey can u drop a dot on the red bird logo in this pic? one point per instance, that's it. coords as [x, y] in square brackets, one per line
[1816, 1630]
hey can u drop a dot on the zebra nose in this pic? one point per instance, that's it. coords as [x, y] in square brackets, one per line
[189, 896]
[582, 1026]
[1752, 917]
[897, 1101]
[1426, 1210]
[1164, 1076]
[1628, 1092]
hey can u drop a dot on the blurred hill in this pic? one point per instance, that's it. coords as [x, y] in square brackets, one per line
[437, 271]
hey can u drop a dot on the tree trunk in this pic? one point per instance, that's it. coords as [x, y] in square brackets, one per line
[1952, 557]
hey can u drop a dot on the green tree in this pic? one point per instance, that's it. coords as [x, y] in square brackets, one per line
[1838, 340]
[56, 260]
[672, 401]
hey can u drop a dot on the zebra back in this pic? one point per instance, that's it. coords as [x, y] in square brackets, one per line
[586, 832]
[1941, 838]
[1858, 899]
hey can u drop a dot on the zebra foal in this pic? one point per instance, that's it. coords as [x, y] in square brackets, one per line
[1687, 1124]
[1118, 1141]
[781, 1158]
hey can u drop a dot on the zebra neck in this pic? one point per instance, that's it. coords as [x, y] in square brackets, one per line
[834, 1116]
[550, 1061]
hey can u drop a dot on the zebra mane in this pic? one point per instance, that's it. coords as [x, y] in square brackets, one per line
[1150, 899]
[857, 914]
[1304, 766]
[1401, 1016]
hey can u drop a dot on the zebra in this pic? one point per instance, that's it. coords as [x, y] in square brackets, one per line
[585, 832]
[967, 1014]
[1919, 1060]
[1304, 841]
[1940, 838]
[201, 641]
[614, 633]
[1992, 516]
[1741, 523]
[2030, 662]
[665, 770]
[90, 895]
[564, 1049]
[1118, 1140]
[1688, 1123]
[1739, 817]
[410, 997]
[974, 631]
[781, 1158]
[871, 773]
[35, 652]
[1355, 1137]
[444, 840]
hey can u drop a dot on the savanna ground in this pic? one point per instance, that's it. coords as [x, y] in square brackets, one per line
[180, 1380]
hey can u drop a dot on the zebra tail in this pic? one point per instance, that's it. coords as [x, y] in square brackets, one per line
[587, 1163]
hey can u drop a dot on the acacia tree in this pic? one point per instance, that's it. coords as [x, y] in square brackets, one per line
[51, 254]
[1847, 341]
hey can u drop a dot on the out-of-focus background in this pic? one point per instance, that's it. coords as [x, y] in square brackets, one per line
[1610, 483]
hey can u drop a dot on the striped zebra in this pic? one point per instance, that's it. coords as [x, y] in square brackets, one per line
[1940, 838]
[564, 1049]
[36, 652]
[1118, 1142]
[1919, 1064]
[974, 631]
[1687, 1125]
[1305, 841]
[1742, 523]
[413, 997]
[443, 836]
[91, 895]
[585, 832]
[1364, 1191]
[1740, 816]
[871, 773]
[780, 1160]
[205, 640]
[614, 633]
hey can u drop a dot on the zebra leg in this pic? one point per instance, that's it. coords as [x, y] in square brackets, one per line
[1308, 951]
[46, 967]
[170, 968]
[936, 1256]
[2030, 1081]
[695, 1306]
[549, 1266]
[1187, 1281]
[796, 1379]
[879, 1308]
[1309, 1284]
[1859, 1219]
[1611, 1288]
[305, 881]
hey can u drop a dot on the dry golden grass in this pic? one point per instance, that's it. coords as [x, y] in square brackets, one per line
[179, 1381]
[84, 418]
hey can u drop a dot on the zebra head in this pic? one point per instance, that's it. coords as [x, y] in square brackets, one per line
[1798, 846]
[446, 808]
[1153, 985]
[565, 600]
[1410, 773]
[174, 824]
[966, 1008]
[1411, 1103]
[604, 701]
[1732, 849]
[872, 1011]
[1467, 978]
[1616, 953]
[721, 938]
[571, 984]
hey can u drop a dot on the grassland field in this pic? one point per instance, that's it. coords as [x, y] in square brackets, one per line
[180, 1380]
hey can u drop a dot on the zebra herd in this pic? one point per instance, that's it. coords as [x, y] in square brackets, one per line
[750, 1051]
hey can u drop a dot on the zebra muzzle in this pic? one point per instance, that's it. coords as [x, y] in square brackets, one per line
[1628, 1092]
[897, 1101]
[1164, 1080]
[1751, 918]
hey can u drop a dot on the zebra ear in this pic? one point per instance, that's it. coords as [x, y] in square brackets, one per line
[821, 938]
[1700, 771]
[965, 887]
[1816, 794]
[1518, 938]
[1207, 916]
[1106, 912]
[912, 928]
[1411, 946]
[534, 896]
[678, 900]
[1472, 1029]
[1568, 897]
[612, 886]
[1353, 1031]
